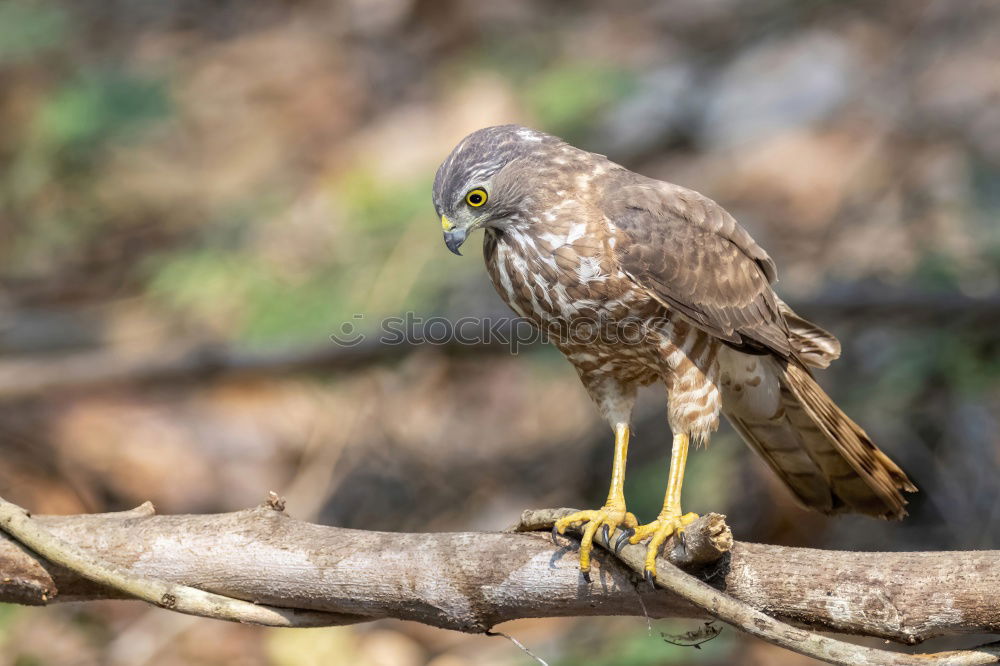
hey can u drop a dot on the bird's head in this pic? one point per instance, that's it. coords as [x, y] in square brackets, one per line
[480, 183]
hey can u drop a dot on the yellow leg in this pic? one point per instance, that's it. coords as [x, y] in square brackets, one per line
[670, 520]
[612, 514]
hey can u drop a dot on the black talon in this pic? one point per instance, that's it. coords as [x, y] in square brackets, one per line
[684, 545]
[586, 576]
[648, 575]
[622, 539]
[606, 531]
[555, 533]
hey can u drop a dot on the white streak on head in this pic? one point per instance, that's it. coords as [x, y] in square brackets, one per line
[529, 135]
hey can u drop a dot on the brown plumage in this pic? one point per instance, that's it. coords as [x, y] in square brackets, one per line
[574, 241]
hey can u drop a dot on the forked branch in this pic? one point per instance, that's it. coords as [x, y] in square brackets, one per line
[307, 574]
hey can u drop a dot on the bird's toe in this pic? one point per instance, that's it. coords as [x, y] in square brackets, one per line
[607, 519]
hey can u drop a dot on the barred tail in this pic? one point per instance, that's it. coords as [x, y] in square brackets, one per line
[825, 459]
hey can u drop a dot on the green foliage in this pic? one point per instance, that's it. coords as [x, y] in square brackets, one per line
[376, 206]
[8, 613]
[563, 97]
[28, 29]
[74, 122]
[566, 98]
[939, 269]
[516, 57]
[640, 647]
[51, 183]
[985, 190]
[936, 270]
[232, 286]
[198, 278]
[96, 107]
[310, 310]
[951, 357]
[265, 301]
[28, 660]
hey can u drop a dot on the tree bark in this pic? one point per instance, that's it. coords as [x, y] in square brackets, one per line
[473, 581]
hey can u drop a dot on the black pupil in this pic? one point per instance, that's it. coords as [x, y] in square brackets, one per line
[475, 198]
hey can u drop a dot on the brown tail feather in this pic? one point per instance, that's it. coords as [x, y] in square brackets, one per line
[814, 345]
[825, 459]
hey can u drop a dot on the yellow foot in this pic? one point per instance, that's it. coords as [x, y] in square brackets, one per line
[666, 523]
[611, 517]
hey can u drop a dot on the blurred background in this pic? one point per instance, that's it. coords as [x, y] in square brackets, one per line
[195, 195]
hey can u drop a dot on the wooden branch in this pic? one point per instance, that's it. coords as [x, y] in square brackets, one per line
[473, 581]
[708, 544]
[173, 596]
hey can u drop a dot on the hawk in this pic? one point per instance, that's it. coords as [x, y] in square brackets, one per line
[639, 281]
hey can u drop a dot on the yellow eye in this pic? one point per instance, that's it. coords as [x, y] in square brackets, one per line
[476, 197]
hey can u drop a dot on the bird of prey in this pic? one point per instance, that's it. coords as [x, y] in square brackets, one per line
[638, 281]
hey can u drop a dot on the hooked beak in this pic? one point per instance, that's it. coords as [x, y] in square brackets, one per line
[453, 236]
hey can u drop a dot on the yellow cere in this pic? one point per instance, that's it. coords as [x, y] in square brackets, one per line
[476, 197]
[446, 224]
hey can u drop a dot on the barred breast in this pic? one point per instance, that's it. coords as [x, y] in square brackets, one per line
[566, 281]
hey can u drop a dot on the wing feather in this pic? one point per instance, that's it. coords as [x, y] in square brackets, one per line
[690, 255]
